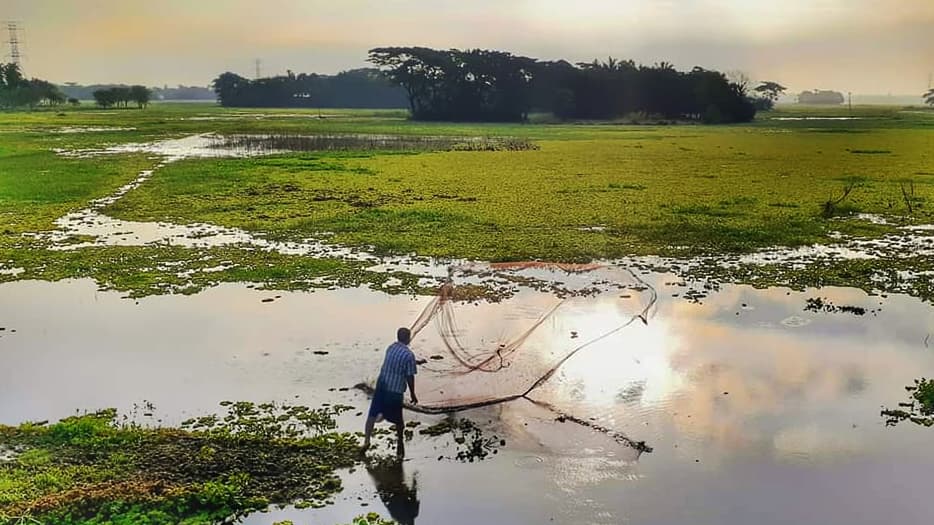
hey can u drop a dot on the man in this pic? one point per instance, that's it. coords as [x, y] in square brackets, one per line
[398, 371]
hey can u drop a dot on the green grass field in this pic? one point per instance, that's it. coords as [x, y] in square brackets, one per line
[591, 191]
[664, 191]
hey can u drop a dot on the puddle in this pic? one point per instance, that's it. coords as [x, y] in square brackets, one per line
[262, 116]
[108, 231]
[115, 232]
[369, 142]
[203, 145]
[906, 241]
[7, 454]
[871, 218]
[87, 129]
[804, 254]
[767, 403]
[818, 118]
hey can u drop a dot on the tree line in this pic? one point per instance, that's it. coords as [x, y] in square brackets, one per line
[498, 86]
[121, 96]
[490, 85]
[356, 88]
[16, 91]
[86, 92]
[821, 97]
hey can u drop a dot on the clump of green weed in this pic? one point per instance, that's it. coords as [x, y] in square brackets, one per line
[919, 408]
[499, 144]
[267, 420]
[472, 444]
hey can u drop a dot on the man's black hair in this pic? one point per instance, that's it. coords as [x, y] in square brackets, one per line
[404, 335]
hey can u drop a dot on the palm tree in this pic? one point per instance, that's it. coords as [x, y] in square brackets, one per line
[929, 97]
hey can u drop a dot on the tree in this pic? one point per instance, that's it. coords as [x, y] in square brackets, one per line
[476, 84]
[740, 78]
[717, 100]
[12, 86]
[356, 88]
[821, 97]
[615, 88]
[770, 90]
[45, 92]
[104, 98]
[929, 97]
[12, 74]
[121, 96]
[140, 95]
[228, 86]
[16, 91]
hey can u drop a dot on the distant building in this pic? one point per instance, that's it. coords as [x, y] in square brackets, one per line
[819, 96]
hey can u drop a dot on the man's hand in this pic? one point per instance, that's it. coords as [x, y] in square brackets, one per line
[411, 381]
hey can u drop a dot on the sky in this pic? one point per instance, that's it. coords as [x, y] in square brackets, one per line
[863, 46]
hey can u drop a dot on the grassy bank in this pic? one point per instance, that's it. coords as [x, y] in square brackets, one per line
[100, 469]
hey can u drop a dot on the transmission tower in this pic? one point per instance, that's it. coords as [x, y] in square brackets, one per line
[258, 63]
[13, 29]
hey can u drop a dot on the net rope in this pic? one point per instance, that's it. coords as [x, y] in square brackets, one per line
[489, 359]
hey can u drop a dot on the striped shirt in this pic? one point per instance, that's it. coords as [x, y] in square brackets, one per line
[398, 365]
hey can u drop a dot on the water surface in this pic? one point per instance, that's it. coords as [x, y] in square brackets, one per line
[757, 410]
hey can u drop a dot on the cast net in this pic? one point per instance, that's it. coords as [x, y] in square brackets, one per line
[482, 354]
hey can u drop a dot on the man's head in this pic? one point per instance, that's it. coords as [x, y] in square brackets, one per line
[404, 335]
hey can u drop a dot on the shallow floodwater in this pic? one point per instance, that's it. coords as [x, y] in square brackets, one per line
[817, 118]
[757, 410]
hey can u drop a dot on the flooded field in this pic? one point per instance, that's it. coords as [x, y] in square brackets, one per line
[747, 400]
[704, 358]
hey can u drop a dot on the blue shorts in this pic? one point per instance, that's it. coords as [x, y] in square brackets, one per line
[389, 404]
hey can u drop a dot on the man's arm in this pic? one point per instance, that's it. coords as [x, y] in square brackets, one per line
[411, 381]
[411, 370]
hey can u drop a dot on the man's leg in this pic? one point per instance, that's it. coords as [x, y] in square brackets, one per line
[400, 437]
[368, 431]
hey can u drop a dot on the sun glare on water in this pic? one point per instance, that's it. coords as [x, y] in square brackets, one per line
[635, 357]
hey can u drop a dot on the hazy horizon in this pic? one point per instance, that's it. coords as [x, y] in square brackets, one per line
[868, 47]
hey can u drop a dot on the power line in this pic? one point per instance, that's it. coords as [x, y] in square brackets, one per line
[13, 29]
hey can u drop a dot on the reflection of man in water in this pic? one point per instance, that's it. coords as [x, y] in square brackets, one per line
[401, 500]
